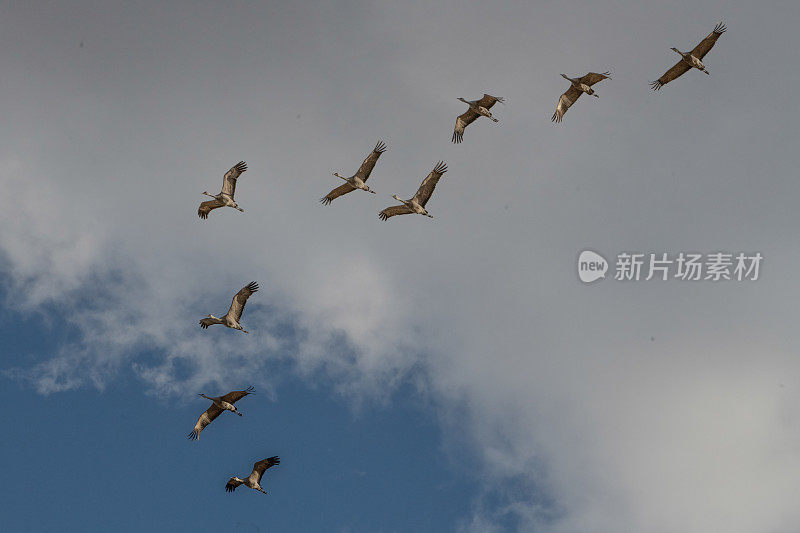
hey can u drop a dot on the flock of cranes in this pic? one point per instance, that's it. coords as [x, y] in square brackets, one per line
[416, 204]
[220, 404]
[477, 108]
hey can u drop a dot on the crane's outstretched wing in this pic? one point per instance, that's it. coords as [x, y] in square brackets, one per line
[678, 69]
[235, 396]
[237, 305]
[369, 163]
[341, 190]
[707, 44]
[205, 419]
[429, 183]
[565, 101]
[231, 485]
[206, 322]
[260, 467]
[488, 100]
[206, 207]
[389, 212]
[594, 77]
[229, 181]
[462, 122]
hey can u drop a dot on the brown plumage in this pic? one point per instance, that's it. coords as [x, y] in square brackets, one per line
[357, 180]
[476, 109]
[254, 479]
[420, 199]
[234, 314]
[208, 206]
[389, 212]
[220, 404]
[574, 92]
[225, 197]
[699, 51]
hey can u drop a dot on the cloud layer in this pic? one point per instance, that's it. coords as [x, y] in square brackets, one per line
[576, 419]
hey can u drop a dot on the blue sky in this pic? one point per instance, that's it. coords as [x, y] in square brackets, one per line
[118, 459]
[446, 374]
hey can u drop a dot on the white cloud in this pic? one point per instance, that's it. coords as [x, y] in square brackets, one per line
[577, 420]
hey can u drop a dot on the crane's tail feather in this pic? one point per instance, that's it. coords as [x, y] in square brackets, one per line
[194, 435]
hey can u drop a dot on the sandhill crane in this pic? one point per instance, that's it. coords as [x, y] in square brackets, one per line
[417, 203]
[577, 87]
[231, 319]
[220, 404]
[225, 197]
[254, 479]
[476, 109]
[357, 180]
[690, 60]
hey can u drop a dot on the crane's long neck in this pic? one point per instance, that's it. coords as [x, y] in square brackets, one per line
[215, 401]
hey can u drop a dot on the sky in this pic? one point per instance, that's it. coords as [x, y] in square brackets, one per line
[446, 374]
